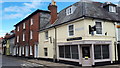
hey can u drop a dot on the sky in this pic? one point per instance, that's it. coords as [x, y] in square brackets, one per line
[13, 11]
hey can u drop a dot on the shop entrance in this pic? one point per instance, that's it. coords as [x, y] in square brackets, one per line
[86, 59]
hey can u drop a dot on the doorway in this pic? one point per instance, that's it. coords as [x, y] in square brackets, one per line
[36, 51]
[86, 58]
[118, 48]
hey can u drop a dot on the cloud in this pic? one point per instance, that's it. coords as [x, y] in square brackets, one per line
[19, 11]
[13, 16]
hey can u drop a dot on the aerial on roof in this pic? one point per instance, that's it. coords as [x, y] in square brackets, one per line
[86, 9]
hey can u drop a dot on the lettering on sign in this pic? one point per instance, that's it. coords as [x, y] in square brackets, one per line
[78, 29]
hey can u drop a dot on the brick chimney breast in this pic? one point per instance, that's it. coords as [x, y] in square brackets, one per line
[53, 9]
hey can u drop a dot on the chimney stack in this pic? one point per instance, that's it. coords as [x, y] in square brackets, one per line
[53, 9]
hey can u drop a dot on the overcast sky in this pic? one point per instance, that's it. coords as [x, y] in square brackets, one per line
[13, 11]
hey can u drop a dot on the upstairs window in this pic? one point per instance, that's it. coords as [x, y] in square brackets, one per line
[23, 25]
[31, 35]
[23, 36]
[71, 30]
[69, 11]
[98, 27]
[46, 35]
[31, 22]
[112, 9]
[17, 39]
[18, 28]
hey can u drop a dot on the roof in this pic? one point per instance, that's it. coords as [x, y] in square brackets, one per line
[32, 15]
[86, 9]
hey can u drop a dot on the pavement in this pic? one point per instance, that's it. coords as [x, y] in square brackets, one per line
[61, 65]
[44, 64]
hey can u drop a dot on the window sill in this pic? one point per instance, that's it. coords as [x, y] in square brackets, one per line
[46, 40]
[101, 60]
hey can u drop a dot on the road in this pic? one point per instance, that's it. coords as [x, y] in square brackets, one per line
[12, 62]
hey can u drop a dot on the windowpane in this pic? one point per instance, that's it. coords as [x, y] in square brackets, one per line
[97, 52]
[31, 35]
[105, 51]
[98, 28]
[61, 51]
[46, 35]
[71, 30]
[74, 50]
[67, 52]
[31, 21]
[45, 52]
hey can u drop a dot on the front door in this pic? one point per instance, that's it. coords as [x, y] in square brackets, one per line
[36, 51]
[118, 46]
[26, 50]
[86, 59]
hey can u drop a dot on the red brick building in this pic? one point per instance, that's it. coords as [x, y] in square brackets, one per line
[26, 33]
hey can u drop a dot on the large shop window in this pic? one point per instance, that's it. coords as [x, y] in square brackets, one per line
[69, 51]
[61, 51]
[101, 51]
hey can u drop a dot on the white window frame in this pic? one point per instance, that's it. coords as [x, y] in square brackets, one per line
[73, 30]
[17, 39]
[23, 36]
[46, 38]
[24, 25]
[23, 50]
[17, 50]
[112, 8]
[69, 11]
[31, 50]
[20, 51]
[18, 28]
[101, 25]
[31, 34]
[31, 21]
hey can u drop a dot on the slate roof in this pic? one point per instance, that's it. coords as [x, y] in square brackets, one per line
[35, 12]
[86, 9]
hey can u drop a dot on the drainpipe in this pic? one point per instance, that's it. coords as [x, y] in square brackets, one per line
[115, 43]
[55, 46]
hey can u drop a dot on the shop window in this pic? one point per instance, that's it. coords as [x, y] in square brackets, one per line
[74, 50]
[101, 51]
[67, 52]
[61, 51]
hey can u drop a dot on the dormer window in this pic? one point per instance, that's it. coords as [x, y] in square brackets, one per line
[112, 9]
[70, 10]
